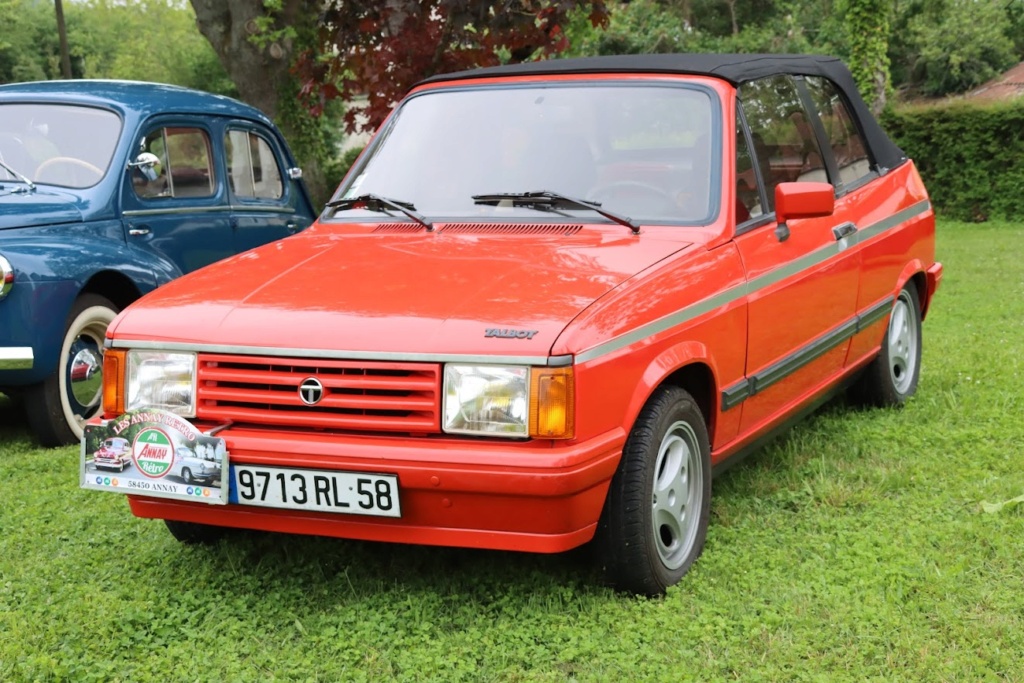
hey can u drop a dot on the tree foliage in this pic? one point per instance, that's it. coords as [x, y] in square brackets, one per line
[151, 40]
[28, 42]
[380, 49]
[960, 44]
[938, 47]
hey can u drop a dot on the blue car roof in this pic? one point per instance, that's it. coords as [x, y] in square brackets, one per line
[141, 98]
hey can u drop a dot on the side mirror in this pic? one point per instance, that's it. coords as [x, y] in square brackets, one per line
[801, 200]
[146, 162]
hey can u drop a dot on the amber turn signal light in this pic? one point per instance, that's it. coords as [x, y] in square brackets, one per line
[552, 403]
[114, 363]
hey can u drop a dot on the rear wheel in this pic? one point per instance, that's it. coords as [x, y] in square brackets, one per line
[192, 533]
[892, 376]
[58, 407]
[655, 519]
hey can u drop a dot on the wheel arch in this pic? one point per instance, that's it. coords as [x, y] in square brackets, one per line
[688, 366]
[914, 271]
[115, 286]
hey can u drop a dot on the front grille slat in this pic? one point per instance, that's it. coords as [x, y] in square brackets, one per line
[336, 401]
[419, 381]
[314, 421]
[357, 395]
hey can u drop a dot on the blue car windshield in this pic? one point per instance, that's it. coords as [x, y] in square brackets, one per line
[57, 144]
[648, 151]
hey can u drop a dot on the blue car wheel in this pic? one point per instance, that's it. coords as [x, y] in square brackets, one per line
[58, 407]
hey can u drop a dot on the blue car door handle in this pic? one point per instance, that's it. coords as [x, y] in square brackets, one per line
[138, 232]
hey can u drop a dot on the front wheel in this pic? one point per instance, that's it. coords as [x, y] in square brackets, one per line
[58, 406]
[655, 519]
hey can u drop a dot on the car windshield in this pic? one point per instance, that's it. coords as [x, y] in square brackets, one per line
[57, 144]
[648, 152]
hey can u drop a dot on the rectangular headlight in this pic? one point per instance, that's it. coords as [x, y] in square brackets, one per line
[160, 379]
[489, 400]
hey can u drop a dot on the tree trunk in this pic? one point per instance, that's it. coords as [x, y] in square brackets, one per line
[732, 16]
[261, 72]
[62, 33]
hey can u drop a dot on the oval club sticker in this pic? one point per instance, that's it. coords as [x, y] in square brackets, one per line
[153, 452]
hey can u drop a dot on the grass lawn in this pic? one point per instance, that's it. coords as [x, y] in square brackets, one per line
[854, 548]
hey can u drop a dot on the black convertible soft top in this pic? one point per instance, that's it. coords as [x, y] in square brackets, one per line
[734, 68]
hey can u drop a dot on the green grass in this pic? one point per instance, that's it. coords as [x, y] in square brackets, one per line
[855, 548]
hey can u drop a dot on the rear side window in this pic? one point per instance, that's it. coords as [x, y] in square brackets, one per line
[784, 145]
[185, 167]
[252, 166]
[847, 144]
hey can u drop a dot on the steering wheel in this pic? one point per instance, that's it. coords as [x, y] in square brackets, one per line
[55, 162]
[635, 187]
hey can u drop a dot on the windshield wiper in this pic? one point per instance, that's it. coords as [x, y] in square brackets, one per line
[374, 202]
[18, 176]
[544, 198]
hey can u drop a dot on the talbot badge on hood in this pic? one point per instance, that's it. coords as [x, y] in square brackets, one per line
[509, 333]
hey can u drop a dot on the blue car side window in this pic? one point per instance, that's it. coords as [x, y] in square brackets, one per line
[184, 167]
[253, 169]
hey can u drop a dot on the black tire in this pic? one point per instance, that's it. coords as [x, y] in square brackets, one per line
[645, 544]
[58, 407]
[186, 476]
[891, 378]
[195, 534]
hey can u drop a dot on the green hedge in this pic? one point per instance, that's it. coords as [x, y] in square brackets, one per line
[971, 156]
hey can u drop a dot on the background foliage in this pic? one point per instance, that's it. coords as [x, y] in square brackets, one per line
[153, 40]
[934, 47]
[970, 156]
[900, 49]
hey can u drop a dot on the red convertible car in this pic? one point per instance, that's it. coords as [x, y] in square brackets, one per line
[547, 304]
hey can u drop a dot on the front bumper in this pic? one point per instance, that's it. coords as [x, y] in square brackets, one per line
[534, 497]
[16, 357]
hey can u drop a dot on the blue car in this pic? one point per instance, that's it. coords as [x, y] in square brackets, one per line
[108, 190]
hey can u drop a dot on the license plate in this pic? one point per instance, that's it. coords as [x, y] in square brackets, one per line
[354, 493]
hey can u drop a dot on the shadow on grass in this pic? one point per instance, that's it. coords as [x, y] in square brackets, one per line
[12, 419]
[417, 566]
[327, 572]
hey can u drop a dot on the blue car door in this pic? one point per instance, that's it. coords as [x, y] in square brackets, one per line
[266, 202]
[174, 200]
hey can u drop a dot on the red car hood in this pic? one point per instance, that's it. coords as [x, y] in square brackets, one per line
[432, 293]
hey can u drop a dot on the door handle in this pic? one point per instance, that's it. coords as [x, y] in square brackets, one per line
[138, 232]
[291, 226]
[843, 230]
